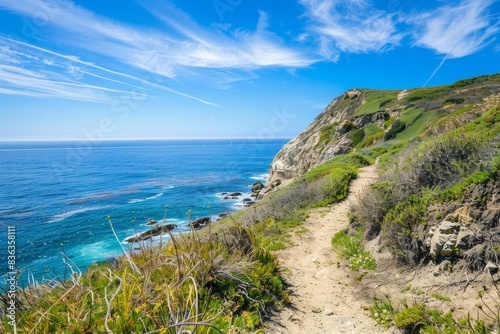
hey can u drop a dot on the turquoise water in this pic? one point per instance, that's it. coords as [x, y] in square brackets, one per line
[58, 195]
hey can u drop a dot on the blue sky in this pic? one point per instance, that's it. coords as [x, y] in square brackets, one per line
[222, 68]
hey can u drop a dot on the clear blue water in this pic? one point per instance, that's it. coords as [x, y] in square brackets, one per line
[58, 195]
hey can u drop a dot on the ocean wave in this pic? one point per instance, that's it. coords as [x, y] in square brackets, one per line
[260, 177]
[63, 216]
[97, 251]
[138, 200]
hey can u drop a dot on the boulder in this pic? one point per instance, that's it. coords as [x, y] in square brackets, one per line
[491, 268]
[275, 183]
[230, 197]
[236, 194]
[464, 238]
[444, 239]
[445, 267]
[223, 215]
[200, 223]
[257, 187]
[151, 233]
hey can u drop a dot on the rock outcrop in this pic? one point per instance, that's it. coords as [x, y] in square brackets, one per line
[329, 135]
[443, 239]
[200, 223]
[158, 230]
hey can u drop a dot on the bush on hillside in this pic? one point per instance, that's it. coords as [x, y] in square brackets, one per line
[357, 136]
[397, 127]
[397, 205]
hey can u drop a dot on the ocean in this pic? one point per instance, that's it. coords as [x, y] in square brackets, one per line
[58, 195]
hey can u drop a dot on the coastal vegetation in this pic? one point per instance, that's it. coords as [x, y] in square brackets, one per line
[221, 280]
[438, 154]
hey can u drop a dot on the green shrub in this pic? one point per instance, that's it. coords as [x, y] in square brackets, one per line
[453, 101]
[411, 318]
[457, 192]
[327, 133]
[389, 122]
[448, 163]
[441, 297]
[397, 127]
[404, 223]
[357, 136]
[203, 286]
[350, 247]
[372, 134]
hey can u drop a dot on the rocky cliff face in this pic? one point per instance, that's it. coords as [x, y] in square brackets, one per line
[328, 135]
[363, 118]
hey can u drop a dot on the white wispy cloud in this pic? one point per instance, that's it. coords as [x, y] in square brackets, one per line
[456, 30]
[32, 71]
[352, 26]
[182, 47]
[240, 49]
[69, 73]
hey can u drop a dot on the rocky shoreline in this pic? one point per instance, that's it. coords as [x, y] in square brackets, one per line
[160, 228]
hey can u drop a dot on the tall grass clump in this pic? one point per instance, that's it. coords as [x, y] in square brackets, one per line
[217, 284]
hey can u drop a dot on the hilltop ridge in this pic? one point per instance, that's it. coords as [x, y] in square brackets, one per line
[366, 117]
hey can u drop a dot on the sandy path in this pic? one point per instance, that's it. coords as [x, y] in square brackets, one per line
[323, 298]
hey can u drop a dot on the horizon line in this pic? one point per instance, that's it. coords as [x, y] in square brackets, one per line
[82, 139]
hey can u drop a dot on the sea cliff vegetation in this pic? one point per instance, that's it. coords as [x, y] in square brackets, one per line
[438, 155]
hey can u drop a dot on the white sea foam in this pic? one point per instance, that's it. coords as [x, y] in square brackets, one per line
[260, 177]
[97, 251]
[65, 215]
[138, 200]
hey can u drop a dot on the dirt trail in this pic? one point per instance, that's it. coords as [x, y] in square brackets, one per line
[323, 293]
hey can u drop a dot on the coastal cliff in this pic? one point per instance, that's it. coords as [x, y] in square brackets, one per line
[362, 118]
